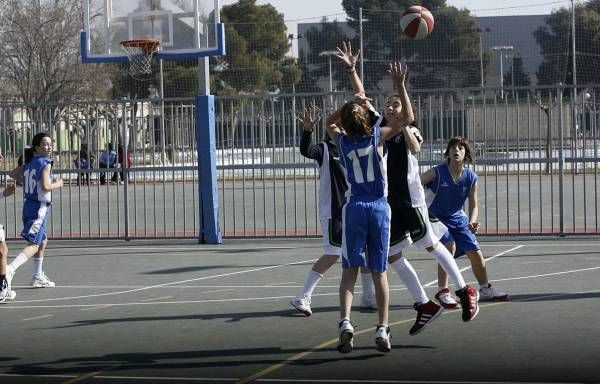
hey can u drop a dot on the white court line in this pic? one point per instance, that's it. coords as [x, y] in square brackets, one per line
[16, 306]
[167, 284]
[157, 298]
[488, 259]
[97, 307]
[37, 317]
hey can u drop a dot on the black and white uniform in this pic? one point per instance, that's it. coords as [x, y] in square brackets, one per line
[332, 189]
[410, 219]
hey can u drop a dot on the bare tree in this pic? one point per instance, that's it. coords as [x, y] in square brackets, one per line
[39, 55]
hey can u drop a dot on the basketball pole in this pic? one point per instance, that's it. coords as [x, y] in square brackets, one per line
[210, 232]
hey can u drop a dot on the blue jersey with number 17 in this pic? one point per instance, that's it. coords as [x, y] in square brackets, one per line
[32, 176]
[365, 163]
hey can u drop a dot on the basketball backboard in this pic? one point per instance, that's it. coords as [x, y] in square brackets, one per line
[185, 28]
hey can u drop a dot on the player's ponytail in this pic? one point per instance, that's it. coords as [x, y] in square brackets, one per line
[355, 120]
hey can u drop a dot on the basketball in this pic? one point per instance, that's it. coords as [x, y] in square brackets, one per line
[417, 22]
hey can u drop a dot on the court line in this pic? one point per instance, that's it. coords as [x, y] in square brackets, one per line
[37, 317]
[15, 306]
[167, 284]
[327, 343]
[157, 298]
[469, 266]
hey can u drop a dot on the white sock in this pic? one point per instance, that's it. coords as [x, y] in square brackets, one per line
[310, 283]
[368, 287]
[18, 261]
[37, 265]
[445, 259]
[486, 285]
[409, 277]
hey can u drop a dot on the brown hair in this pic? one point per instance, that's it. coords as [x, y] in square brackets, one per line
[463, 142]
[355, 119]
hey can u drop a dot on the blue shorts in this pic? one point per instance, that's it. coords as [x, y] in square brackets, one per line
[464, 239]
[366, 224]
[35, 218]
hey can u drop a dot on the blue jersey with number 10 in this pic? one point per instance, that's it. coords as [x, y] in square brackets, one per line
[32, 176]
[364, 163]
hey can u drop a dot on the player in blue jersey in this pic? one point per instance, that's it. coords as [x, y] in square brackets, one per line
[366, 214]
[37, 192]
[332, 189]
[451, 184]
[6, 293]
[410, 223]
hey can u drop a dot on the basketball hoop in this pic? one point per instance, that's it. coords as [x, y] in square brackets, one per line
[139, 52]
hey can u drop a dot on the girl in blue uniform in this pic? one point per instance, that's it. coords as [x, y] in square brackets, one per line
[451, 184]
[37, 191]
[366, 213]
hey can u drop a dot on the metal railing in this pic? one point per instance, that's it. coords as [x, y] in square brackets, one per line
[537, 154]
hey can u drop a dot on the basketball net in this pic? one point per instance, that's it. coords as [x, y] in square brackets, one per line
[140, 52]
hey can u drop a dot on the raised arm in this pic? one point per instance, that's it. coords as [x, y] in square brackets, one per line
[344, 53]
[398, 72]
[308, 118]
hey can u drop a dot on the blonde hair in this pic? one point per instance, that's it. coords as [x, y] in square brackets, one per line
[355, 119]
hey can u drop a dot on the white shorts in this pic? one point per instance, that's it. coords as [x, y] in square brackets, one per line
[329, 245]
[430, 231]
[2, 234]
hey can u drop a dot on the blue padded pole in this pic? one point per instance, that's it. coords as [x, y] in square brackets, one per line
[210, 231]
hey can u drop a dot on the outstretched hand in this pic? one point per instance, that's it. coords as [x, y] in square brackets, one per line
[309, 117]
[344, 53]
[362, 99]
[398, 72]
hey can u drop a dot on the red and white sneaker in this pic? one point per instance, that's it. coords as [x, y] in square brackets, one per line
[490, 293]
[446, 300]
[426, 313]
[469, 298]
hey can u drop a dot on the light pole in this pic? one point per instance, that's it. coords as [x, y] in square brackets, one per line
[329, 54]
[502, 49]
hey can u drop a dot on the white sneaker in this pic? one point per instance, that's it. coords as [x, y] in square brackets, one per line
[302, 305]
[446, 300]
[382, 338]
[368, 302]
[490, 293]
[40, 280]
[345, 344]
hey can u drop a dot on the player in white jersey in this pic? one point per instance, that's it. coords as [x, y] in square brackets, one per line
[451, 184]
[366, 214]
[6, 293]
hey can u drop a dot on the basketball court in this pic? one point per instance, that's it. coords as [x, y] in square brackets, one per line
[182, 312]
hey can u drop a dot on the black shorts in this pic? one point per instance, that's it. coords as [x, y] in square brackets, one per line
[407, 221]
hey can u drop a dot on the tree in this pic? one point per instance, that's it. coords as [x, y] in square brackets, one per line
[257, 45]
[39, 53]
[555, 39]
